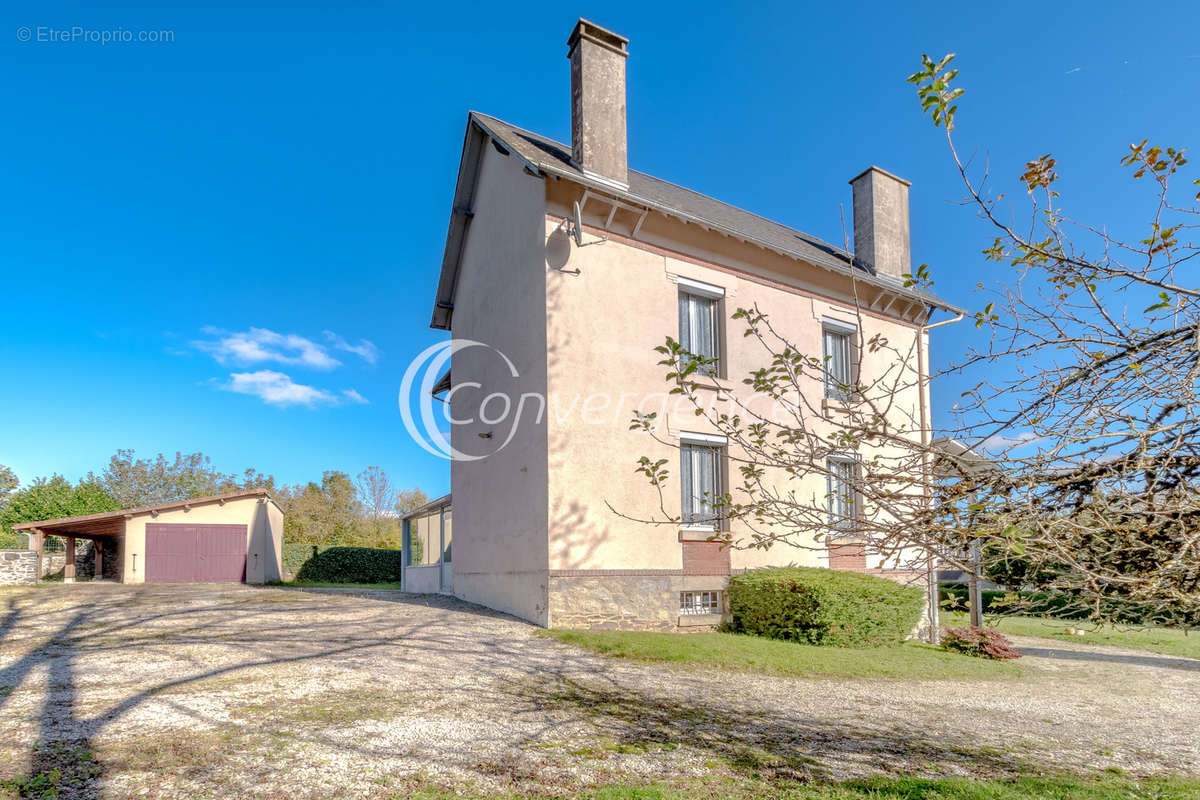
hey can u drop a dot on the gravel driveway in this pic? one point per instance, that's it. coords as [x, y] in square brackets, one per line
[222, 691]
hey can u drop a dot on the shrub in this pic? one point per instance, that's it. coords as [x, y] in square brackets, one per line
[981, 642]
[350, 565]
[954, 597]
[823, 606]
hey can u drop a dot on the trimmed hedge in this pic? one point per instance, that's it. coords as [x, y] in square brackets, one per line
[953, 596]
[823, 606]
[342, 564]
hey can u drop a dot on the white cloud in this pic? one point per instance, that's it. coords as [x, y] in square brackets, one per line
[259, 345]
[366, 350]
[354, 397]
[1003, 441]
[278, 389]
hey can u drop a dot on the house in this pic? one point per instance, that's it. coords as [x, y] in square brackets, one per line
[235, 537]
[564, 268]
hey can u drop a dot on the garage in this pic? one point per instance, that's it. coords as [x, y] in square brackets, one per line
[227, 538]
[181, 553]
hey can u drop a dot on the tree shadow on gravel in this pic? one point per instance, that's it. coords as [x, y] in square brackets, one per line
[760, 743]
[65, 626]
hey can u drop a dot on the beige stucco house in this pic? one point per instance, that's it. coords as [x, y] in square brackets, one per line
[234, 537]
[576, 313]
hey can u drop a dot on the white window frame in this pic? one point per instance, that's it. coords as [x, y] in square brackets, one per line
[714, 295]
[701, 601]
[839, 521]
[850, 332]
[712, 441]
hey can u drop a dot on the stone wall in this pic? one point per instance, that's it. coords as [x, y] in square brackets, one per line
[85, 565]
[18, 567]
[85, 562]
[621, 602]
[52, 562]
[630, 602]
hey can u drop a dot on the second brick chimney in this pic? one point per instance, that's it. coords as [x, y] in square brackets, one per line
[881, 233]
[598, 142]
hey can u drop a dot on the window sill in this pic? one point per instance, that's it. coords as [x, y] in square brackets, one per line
[835, 404]
[700, 620]
[710, 383]
[844, 534]
[698, 533]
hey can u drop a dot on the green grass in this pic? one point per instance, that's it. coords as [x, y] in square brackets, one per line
[1102, 787]
[1167, 641]
[332, 585]
[911, 660]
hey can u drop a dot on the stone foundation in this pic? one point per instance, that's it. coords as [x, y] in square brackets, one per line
[614, 602]
[18, 567]
[648, 600]
[630, 602]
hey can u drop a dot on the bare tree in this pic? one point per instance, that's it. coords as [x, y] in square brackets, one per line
[1098, 327]
[378, 498]
[1088, 490]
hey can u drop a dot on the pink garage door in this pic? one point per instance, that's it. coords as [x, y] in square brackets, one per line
[178, 553]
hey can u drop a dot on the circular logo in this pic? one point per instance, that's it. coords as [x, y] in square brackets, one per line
[416, 389]
[24, 34]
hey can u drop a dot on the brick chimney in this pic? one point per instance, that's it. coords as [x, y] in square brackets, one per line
[881, 234]
[598, 101]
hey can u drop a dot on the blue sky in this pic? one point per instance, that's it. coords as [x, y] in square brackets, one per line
[287, 172]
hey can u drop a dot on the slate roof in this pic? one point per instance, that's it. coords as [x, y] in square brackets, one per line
[555, 157]
[544, 155]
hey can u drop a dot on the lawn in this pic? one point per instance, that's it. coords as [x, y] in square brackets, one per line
[911, 660]
[1101, 787]
[1167, 641]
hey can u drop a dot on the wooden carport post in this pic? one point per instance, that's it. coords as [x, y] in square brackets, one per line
[69, 563]
[98, 554]
[37, 541]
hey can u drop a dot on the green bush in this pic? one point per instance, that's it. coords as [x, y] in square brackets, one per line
[823, 606]
[347, 564]
[953, 597]
[1060, 605]
[295, 555]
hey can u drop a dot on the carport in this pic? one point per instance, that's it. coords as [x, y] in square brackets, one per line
[234, 537]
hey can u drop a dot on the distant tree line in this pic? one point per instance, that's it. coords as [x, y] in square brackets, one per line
[336, 510]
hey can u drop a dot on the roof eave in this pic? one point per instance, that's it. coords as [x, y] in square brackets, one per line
[440, 502]
[462, 211]
[850, 272]
[133, 512]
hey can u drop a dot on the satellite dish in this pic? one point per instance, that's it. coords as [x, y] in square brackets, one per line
[577, 218]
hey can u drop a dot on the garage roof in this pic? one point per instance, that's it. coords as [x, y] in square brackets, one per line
[108, 521]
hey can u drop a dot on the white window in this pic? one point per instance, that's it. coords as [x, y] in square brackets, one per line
[839, 345]
[700, 472]
[843, 505]
[701, 602]
[700, 322]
